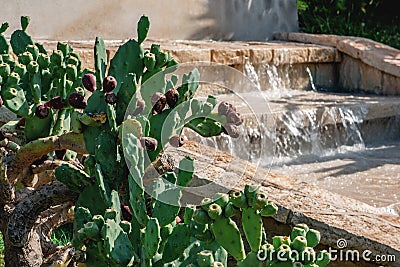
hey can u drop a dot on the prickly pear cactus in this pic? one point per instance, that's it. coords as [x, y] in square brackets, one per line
[125, 113]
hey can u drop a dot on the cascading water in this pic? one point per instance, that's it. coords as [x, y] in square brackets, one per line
[318, 141]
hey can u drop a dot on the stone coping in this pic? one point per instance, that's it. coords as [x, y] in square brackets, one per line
[228, 53]
[375, 54]
[335, 216]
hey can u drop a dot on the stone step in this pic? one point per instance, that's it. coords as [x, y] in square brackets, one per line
[337, 217]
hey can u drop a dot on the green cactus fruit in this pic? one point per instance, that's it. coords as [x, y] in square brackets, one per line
[32, 67]
[100, 60]
[161, 59]
[221, 199]
[251, 260]
[296, 231]
[260, 201]
[34, 50]
[205, 258]
[308, 255]
[10, 93]
[214, 211]
[323, 258]
[176, 244]
[206, 109]
[227, 234]
[149, 61]
[185, 171]
[252, 227]
[201, 217]
[277, 241]
[230, 210]
[238, 199]
[13, 79]
[152, 238]
[98, 220]
[92, 231]
[313, 238]
[72, 177]
[284, 253]
[25, 57]
[65, 48]
[4, 70]
[74, 61]
[205, 203]
[72, 72]
[299, 243]
[20, 69]
[269, 210]
[43, 61]
[303, 226]
[57, 58]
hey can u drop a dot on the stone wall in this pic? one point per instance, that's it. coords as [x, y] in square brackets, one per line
[172, 19]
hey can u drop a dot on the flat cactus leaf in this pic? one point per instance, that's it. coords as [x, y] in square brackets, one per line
[117, 243]
[14, 99]
[106, 155]
[143, 26]
[126, 91]
[177, 243]
[72, 177]
[25, 22]
[137, 202]
[37, 128]
[96, 103]
[252, 227]
[19, 41]
[152, 238]
[185, 172]
[127, 59]
[167, 206]
[100, 60]
[206, 127]
[228, 236]
[4, 45]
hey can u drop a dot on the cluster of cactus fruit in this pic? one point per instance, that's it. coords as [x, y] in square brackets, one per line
[127, 111]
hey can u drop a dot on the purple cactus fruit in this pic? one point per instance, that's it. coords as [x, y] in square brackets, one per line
[2, 135]
[111, 98]
[223, 108]
[89, 82]
[56, 102]
[158, 101]
[149, 143]
[177, 141]
[126, 212]
[1, 101]
[172, 96]
[60, 154]
[21, 122]
[234, 117]
[77, 100]
[140, 104]
[231, 130]
[109, 84]
[42, 111]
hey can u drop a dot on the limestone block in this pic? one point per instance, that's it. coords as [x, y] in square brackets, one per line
[391, 85]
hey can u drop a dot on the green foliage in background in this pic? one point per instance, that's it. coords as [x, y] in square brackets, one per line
[374, 19]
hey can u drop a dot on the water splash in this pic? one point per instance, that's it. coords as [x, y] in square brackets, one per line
[311, 79]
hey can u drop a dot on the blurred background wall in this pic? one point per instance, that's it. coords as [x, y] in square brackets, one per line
[243, 20]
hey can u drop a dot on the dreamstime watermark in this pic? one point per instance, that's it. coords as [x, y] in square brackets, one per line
[341, 253]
